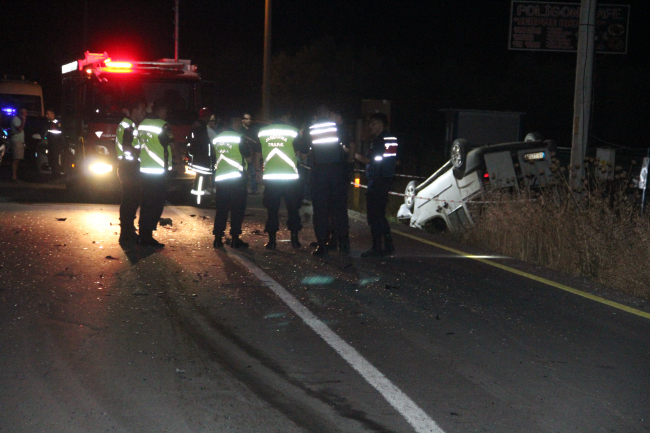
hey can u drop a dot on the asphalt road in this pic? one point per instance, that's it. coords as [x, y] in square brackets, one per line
[95, 338]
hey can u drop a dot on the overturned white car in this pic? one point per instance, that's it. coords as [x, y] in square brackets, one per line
[442, 201]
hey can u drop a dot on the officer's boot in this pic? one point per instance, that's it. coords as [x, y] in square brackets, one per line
[147, 240]
[344, 244]
[375, 251]
[237, 243]
[271, 244]
[321, 250]
[218, 242]
[388, 245]
[127, 233]
[332, 242]
[294, 240]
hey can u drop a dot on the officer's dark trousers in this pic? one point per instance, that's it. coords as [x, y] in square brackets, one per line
[129, 174]
[376, 201]
[329, 192]
[230, 198]
[273, 193]
[55, 158]
[152, 201]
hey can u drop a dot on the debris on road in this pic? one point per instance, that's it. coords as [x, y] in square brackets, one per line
[61, 219]
[111, 258]
[166, 222]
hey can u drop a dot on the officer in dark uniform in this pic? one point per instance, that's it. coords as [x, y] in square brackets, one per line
[328, 183]
[127, 148]
[201, 155]
[4, 137]
[54, 143]
[380, 160]
[155, 137]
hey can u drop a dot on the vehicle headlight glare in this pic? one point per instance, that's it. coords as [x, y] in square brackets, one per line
[101, 168]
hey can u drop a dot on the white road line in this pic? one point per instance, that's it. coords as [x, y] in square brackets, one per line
[413, 414]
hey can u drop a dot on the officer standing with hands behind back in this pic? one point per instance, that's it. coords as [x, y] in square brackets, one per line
[231, 183]
[380, 160]
[280, 178]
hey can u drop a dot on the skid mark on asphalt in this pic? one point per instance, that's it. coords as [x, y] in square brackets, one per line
[413, 414]
[530, 276]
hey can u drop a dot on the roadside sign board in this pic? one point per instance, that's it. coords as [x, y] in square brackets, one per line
[550, 26]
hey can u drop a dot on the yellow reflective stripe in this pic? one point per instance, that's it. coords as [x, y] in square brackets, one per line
[231, 162]
[232, 139]
[268, 132]
[153, 155]
[283, 156]
[150, 128]
[280, 176]
[232, 175]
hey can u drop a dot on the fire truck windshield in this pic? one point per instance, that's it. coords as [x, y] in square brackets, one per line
[110, 98]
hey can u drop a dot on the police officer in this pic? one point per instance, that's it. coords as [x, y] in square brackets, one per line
[127, 148]
[328, 183]
[280, 178]
[4, 137]
[155, 137]
[249, 134]
[201, 154]
[380, 161]
[231, 183]
[54, 143]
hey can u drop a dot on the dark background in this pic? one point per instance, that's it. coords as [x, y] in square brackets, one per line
[423, 56]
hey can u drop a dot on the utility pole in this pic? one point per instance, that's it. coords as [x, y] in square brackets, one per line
[85, 38]
[266, 78]
[583, 89]
[176, 30]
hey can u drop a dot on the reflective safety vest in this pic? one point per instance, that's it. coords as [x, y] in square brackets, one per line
[278, 152]
[53, 131]
[229, 160]
[325, 143]
[152, 155]
[384, 164]
[119, 137]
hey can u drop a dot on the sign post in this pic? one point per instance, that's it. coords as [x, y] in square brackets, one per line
[583, 90]
[643, 179]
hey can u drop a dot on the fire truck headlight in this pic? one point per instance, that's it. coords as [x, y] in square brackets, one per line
[100, 168]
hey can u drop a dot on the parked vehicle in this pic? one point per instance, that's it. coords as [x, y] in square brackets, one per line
[96, 91]
[442, 201]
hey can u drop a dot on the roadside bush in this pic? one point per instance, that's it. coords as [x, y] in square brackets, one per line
[591, 228]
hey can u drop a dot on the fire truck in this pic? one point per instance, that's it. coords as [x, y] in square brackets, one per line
[96, 91]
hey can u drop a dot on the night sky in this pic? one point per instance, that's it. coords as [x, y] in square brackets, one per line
[450, 46]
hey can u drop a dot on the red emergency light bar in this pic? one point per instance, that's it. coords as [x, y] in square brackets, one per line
[99, 63]
[117, 67]
[120, 65]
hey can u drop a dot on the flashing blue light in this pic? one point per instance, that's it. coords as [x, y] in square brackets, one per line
[9, 111]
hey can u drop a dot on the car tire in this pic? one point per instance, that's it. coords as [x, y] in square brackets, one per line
[458, 157]
[410, 193]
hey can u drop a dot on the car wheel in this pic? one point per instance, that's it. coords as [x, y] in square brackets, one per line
[458, 157]
[410, 193]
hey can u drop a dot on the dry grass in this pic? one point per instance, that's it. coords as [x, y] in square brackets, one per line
[595, 230]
